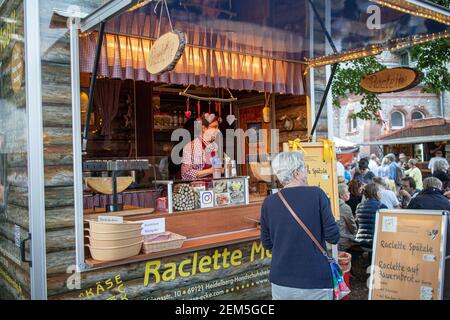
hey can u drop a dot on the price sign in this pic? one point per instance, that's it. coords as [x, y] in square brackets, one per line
[110, 219]
[153, 226]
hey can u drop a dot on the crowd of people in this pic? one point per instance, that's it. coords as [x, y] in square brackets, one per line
[394, 182]
[297, 221]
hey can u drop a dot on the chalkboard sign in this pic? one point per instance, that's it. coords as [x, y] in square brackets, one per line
[408, 260]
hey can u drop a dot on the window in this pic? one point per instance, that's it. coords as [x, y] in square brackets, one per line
[397, 120]
[352, 123]
[417, 115]
[404, 59]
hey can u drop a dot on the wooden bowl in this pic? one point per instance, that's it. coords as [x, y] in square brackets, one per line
[115, 235]
[113, 243]
[104, 184]
[115, 253]
[105, 227]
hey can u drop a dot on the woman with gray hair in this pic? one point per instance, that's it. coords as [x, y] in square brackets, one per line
[440, 168]
[299, 270]
[431, 198]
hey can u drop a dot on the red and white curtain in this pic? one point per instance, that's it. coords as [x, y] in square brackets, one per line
[219, 54]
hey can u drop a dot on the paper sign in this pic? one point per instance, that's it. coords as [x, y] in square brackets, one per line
[17, 235]
[110, 219]
[206, 199]
[389, 224]
[322, 173]
[153, 226]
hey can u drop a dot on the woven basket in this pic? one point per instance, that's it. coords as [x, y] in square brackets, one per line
[175, 242]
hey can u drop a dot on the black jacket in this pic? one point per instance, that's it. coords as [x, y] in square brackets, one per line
[430, 199]
[353, 203]
[365, 218]
[444, 177]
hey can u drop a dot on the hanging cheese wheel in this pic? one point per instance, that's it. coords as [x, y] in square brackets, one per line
[165, 52]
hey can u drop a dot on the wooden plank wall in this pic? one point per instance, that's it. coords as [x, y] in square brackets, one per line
[14, 275]
[57, 126]
[56, 99]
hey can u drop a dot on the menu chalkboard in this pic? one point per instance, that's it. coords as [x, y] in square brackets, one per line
[409, 254]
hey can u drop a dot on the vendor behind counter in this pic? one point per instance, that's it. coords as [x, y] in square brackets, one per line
[198, 154]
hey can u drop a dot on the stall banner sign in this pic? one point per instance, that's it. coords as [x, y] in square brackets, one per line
[153, 226]
[231, 272]
[109, 289]
[391, 80]
[407, 262]
[320, 160]
[237, 271]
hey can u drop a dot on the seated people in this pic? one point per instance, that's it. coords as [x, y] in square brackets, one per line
[388, 197]
[365, 215]
[346, 222]
[431, 197]
[407, 191]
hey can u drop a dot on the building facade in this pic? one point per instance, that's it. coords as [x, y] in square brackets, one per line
[398, 110]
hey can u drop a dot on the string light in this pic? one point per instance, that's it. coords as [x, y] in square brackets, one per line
[139, 5]
[412, 9]
[375, 49]
[85, 34]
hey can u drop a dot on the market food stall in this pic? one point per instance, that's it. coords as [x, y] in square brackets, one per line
[108, 139]
[419, 140]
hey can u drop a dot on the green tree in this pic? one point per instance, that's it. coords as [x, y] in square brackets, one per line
[432, 59]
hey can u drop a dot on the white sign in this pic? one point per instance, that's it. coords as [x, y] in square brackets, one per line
[17, 235]
[206, 199]
[153, 226]
[389, 224]
[110, 219]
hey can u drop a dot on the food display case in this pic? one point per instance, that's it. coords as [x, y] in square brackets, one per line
[184, 195]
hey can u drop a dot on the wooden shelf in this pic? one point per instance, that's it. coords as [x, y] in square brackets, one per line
[188, 246]
[166, 129]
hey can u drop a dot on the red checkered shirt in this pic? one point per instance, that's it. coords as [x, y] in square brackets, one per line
[195, 157]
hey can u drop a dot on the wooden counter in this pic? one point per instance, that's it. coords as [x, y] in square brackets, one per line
[204, 229]
[188, 246]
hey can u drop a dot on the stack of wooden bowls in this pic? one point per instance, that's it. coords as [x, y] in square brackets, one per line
[114, 241]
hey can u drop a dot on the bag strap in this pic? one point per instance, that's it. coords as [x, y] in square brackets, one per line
[302, 225]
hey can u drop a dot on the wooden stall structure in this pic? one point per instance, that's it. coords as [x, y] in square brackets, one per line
[265, 62]
[419, 140]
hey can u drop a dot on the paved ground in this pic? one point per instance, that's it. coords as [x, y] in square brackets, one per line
[358, 279]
